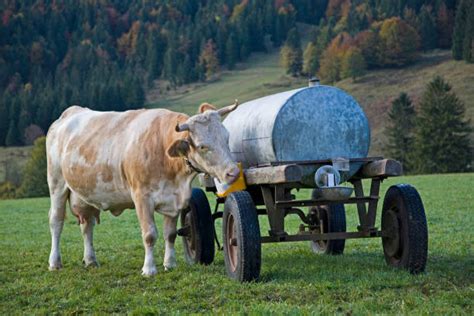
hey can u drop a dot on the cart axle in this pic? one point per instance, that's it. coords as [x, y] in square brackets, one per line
[326, 236]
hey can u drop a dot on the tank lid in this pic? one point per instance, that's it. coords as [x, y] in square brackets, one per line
[313, 82]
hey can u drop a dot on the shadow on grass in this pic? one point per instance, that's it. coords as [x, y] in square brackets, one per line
[298, 265]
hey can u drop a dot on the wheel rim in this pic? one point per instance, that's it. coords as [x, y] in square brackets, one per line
[393, 246]
[190, 238]
[232, 250]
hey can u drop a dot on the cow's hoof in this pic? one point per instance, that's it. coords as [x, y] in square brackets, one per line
[55, 266]
[170, 266]
[90, 263]
[149, 271]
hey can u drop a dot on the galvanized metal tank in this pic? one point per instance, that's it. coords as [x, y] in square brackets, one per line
[314, 123]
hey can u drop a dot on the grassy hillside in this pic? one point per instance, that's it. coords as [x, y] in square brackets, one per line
[12, 161]
[293, 279]
[262, 75]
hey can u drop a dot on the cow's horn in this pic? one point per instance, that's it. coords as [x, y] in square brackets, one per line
[181, 127]
[228, 109]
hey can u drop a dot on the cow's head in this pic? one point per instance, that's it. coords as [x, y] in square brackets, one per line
[207, 145]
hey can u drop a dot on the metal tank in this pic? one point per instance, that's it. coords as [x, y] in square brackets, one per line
[314, 123]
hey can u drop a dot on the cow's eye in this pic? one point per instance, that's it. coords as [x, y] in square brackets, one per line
[203, 148]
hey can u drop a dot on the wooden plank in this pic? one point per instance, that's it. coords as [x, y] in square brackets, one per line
[316, 162]
[273, 175]
[381, 168]
[263, 175]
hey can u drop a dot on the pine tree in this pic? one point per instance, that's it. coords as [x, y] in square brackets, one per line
[353, 64]
[444, 23]
[34, 182]
[4, 121]
[13, 137]
[155, 52]
[310, 59]
[291, 55]
[170, 64]
[401, 125]
[459, 33]
[468, 44]
[428, 32]
[231, 51]
[442, 142]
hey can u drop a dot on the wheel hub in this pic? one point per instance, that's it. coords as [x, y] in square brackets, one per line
[232, 242]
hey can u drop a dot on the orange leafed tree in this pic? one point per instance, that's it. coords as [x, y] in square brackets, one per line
[400, 42]
[208, 59]
[330, 69]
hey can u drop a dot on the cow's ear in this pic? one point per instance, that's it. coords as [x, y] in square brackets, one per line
[178, 149]
[206, 107]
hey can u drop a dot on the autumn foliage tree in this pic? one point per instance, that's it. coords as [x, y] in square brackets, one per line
[208, 60]
[353, 64]
[342, 60]
[399, 42]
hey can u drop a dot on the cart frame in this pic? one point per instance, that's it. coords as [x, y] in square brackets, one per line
[403, 228]
[276, 180]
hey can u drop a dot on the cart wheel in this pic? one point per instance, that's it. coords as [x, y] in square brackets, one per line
[198, 229]
[404, 219]
[241, 230]
[332, 219]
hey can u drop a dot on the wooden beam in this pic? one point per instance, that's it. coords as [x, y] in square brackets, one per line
[273, 175]
[262, 175]
[381, 168]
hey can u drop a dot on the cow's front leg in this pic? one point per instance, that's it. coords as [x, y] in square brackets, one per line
[169, 232]
[145, 213]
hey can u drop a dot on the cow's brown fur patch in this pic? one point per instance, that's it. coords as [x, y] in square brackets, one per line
[141, 170]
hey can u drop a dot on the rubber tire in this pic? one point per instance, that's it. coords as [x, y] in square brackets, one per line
[412, 228]
[248, 265]
[335, 223]
[203, 228]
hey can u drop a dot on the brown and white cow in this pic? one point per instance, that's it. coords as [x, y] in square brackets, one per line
[142, 159]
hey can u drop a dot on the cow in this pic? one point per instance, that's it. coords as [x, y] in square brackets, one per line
[144, 159]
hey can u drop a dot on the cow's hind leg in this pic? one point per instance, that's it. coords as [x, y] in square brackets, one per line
[169, 232]
[145, 212]
[57, 213]
[87, 216]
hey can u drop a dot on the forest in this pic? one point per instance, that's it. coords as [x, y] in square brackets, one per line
[106, 54]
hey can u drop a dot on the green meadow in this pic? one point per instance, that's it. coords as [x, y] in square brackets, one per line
[293, 279]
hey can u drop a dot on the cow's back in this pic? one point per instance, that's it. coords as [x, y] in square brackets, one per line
[102, 154]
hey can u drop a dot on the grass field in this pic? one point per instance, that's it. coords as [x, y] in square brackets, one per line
[261, 75]
[293, 279]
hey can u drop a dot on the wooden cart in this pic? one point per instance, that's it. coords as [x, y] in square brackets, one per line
[403, 227]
